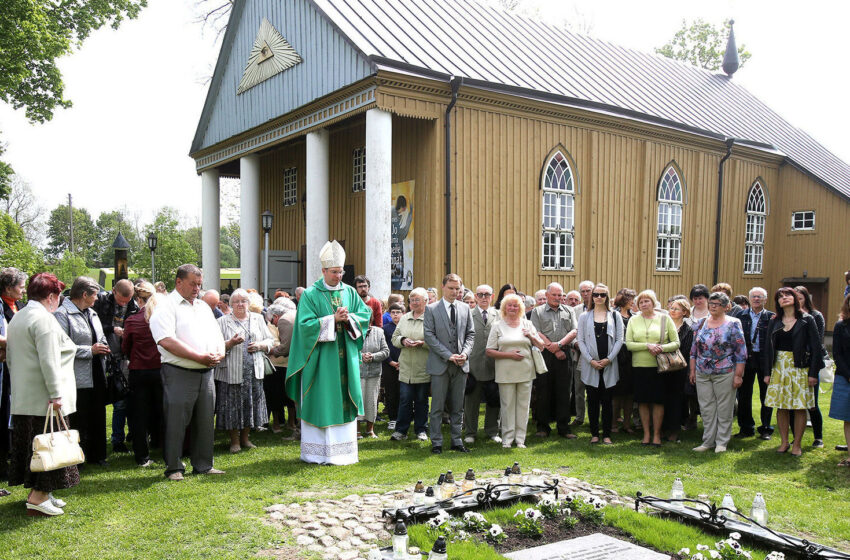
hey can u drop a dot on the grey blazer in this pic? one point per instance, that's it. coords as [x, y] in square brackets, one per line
[482, 367]
[76, 325]
[586, 338]
[437, 336]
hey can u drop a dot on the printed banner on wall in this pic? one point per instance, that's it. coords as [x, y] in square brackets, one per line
[402, 236]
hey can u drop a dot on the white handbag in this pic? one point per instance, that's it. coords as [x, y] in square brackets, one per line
[827, 374]
[56, 449]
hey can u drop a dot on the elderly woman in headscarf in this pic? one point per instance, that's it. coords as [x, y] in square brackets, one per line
[240, 399]
[280, 317]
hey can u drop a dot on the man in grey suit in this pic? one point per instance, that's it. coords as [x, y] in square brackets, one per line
[449, 334]
[483, 369]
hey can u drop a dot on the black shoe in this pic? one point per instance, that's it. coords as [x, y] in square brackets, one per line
[818, 444]
[744, 434]
[119, 448]
[765, 436]
[841, 448]
[437, 449]
[460, 449]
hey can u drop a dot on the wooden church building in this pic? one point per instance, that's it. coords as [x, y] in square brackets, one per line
[432, 136]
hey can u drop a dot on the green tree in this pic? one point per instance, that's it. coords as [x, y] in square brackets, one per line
[15, 250]
[229, 258]
[701, 44]
[192, 236]
[34, 34]
[172, 248]
[6, 173]
[69, 267]
[107, 227]
[58, 234]
[229, 236]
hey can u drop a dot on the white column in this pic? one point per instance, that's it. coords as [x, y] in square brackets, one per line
[210, 229]
[318, 177]
[249, 222]
[379, 146]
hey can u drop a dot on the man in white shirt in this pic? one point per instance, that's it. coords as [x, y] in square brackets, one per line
[191, 345]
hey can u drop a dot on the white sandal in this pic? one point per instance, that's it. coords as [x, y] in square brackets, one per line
[45, 508]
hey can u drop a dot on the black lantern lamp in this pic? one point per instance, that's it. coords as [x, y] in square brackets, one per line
[152, 241]
[120, 246]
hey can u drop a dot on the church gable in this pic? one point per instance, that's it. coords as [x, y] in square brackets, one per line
[275, 57]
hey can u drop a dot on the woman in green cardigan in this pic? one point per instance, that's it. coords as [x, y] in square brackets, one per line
[645, 339]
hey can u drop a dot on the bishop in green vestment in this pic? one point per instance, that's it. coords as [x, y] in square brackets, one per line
[323, 374]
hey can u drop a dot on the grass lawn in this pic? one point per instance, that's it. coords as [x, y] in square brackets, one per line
[122, 511]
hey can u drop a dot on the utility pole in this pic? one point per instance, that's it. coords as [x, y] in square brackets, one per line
[71, 225]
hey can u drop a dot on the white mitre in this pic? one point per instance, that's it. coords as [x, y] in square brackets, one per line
[332, 255]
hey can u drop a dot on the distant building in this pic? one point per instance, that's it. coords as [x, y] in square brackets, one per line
[535, 154]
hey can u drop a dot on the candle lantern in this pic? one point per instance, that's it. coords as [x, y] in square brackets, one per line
[468, 481]
[121, 247]
[438, 491]
[400, 540]
[449, 486]
[728, 502]
[430, 499]
[759, 510]
[678, 490]
[536, 477]
[418, 494]
[439, 550]
[507, 476]
[515, 479]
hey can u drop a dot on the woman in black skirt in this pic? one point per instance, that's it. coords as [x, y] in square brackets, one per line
[42, 375]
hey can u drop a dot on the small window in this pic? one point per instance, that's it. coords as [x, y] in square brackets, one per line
[359, 180]
[668, 251]
[803, 221]
[754, 233]
[558, 214]
[290, 186]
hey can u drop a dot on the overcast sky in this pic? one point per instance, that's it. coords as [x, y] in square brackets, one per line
[138, 92]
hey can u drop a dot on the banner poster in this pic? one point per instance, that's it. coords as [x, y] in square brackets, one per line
[402, 236]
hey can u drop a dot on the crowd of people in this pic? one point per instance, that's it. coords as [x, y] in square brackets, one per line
[320, 362]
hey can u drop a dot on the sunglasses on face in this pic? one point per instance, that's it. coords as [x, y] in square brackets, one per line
[598, 295]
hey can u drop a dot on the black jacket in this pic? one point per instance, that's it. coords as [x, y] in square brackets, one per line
[841, 348]
[806, 345]
[105, 309]
[761, 328]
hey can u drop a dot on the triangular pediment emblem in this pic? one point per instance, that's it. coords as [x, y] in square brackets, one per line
[270, 55]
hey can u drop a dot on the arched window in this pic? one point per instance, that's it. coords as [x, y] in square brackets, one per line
[668, 253]
[754, 236]
[558, 187]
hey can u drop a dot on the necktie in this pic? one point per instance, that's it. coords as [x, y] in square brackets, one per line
[453, 314]
[484, 316]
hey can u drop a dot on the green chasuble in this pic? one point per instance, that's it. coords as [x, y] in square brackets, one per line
[323, 378]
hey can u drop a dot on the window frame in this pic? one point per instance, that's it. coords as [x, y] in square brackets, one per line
[358, 175]
[668, 243]
[803, 228]
[558, 226]
[290, 186]
[755, 235]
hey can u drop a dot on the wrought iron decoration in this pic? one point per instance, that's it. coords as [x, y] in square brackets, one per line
[270, 55]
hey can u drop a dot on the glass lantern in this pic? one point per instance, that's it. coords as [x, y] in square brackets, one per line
[430, 499]
[678, 490]
[515, 479]
[728, 502]
[759, 510]
[449, 486]
[468, 481]
[439, 550]
[400, 540]
[419, 494]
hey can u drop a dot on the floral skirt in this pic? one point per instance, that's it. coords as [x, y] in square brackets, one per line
[241, 406]
[24, 429]
[789, 386]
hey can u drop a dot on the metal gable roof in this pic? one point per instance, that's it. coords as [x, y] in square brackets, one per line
[464, 38]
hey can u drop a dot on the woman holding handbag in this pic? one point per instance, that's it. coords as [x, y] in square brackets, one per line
[600, 337]
[42, 375]
[510, 345]
[240, 401]
[646, 339]
[718, 357]
[82, 325]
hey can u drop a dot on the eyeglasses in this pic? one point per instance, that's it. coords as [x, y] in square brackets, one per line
[483, 295]
[714, 304]
[600, 295]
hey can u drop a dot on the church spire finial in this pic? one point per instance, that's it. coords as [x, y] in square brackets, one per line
[731, 60]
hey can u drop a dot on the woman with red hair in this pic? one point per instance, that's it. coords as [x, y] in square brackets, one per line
[42, 359]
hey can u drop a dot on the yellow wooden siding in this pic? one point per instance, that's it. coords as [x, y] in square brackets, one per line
[822, 254]
[287, 232]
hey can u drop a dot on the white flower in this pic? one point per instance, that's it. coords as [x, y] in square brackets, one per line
[519, 512]
[714, 554]
[702, 547]
[684, 552]
[735, 535]
[495, 531]
[698, 556]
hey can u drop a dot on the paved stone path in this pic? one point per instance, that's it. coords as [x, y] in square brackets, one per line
[347, 529]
